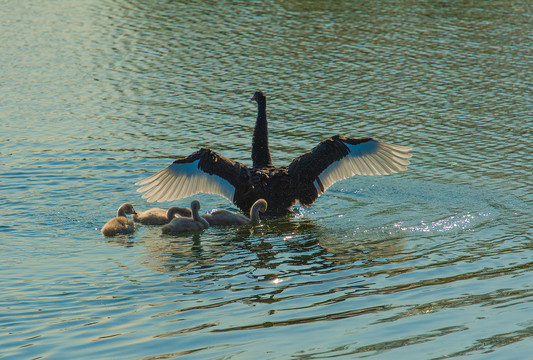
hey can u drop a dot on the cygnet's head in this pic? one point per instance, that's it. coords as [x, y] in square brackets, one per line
[181, 211]
[195, 205]
[262, 205]
[127, 208]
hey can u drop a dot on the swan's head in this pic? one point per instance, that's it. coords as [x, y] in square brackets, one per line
[195, 206]
[127, 208]
[258, 96]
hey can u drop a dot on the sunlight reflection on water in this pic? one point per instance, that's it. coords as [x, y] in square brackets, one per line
[452, 223]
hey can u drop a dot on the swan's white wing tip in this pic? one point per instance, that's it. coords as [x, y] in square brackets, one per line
[181, 180]
[367, 158]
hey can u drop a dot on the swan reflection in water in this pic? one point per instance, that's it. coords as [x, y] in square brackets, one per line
[299, 242]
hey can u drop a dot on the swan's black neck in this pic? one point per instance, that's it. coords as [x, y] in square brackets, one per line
[260, 149]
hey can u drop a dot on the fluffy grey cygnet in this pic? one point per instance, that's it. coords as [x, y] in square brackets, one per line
[228, 218]
[159, 216]
[120, 224]
[180, 225]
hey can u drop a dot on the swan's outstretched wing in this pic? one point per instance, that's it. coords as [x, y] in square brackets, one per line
[340, 157]
[203, 171]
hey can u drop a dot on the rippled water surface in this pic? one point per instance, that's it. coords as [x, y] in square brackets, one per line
[435, 262]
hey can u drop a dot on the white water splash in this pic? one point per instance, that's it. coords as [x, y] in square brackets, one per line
[466, 222]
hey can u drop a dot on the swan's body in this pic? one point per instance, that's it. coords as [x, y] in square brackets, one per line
[159, 216]
[227, 218]
[120, 224]
[182, 224]
[303, 180]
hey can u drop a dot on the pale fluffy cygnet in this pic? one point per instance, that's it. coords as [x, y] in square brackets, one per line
[159, 216]
[227, 218]
[179, 225]
[120, 224]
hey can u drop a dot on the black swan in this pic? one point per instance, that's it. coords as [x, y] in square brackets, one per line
[120, 224]
[182, 224]
[159, 216]
[228, 218]
[304, 179]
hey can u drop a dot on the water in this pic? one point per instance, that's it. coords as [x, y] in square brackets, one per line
[431, 263]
